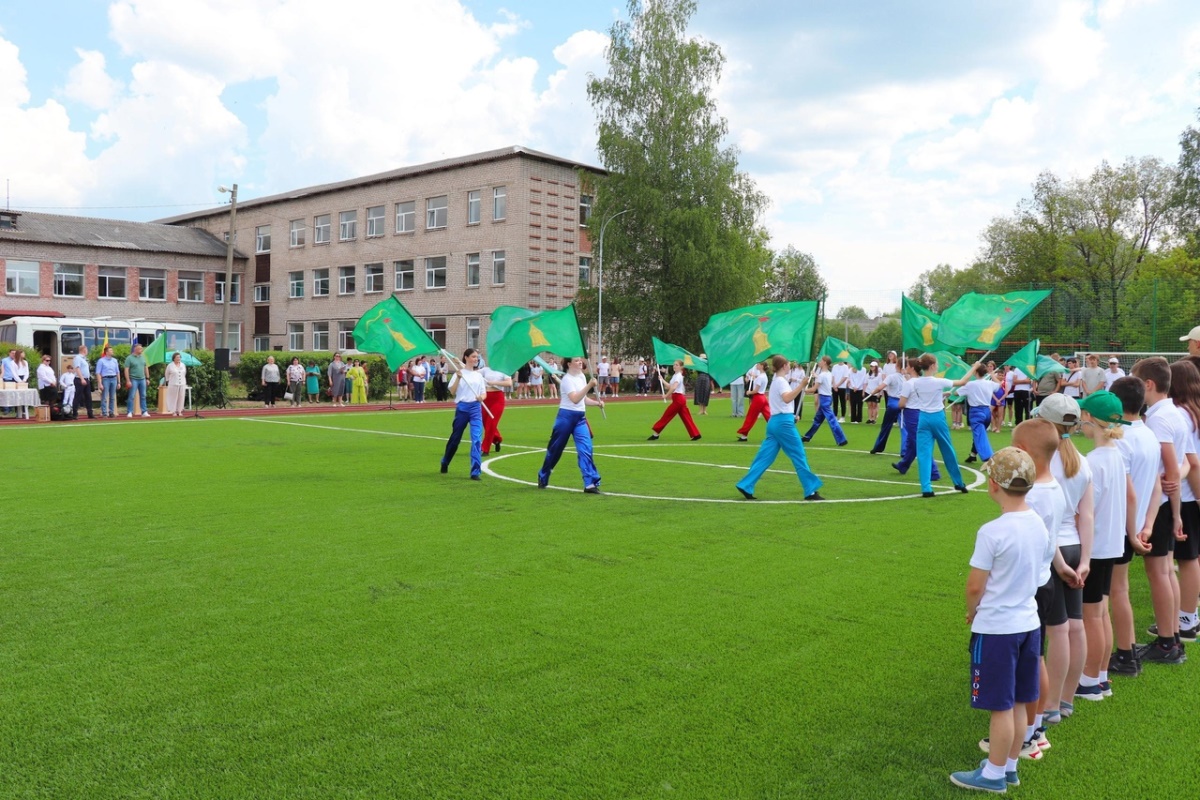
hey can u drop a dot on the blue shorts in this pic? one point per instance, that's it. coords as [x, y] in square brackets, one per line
[1004, 669]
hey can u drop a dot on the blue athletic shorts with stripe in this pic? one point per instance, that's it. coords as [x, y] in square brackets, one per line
[1004, 669]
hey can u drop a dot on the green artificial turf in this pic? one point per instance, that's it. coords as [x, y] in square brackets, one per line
[303, 607]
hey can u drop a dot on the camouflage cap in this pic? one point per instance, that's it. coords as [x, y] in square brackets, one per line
[1013, 469]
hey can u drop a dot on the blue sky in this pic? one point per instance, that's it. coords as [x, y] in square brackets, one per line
[887, 134]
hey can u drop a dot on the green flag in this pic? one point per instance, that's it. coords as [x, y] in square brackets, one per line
[516, 335]
[983, 320]
[949, 365]
[919, 326]
[388, 329]
[837, 350]
[736, 339]
[862, 355]
[1046, 365]
[665, 353]
[1026, 359]
[156, 353]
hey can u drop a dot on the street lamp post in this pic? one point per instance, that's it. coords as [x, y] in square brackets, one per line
[600, 287]
[228, 262]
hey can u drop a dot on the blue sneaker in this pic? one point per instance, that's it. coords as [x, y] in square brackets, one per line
[1093, 693]
[975, 780]
[1106, 688]
[1010, 775]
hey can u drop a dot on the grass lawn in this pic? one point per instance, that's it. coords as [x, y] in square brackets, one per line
[306, 608]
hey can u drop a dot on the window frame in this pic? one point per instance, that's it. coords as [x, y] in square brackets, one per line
[434, 213]
[292, 332]
[318, 279]
[295, 283]
[262, 293]
[431, 272]
[375, 224]
[320, 335]
[107, 279]
[347, 226]
[145, 278]
[473, 261]
[474, 207]
[406, 211]
[397, 272]
[499, 203]
[20, 275]
[297, 233]
[262, 239]
[372, 277]
[235, 289]
[347, 281]
[63, 277]
[320, 227]
[500, 264]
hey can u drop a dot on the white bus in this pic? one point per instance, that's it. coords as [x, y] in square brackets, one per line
[61, 337]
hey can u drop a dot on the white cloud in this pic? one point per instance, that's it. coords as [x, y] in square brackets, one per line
[1070, 50]
[89, 82]
[45, 162]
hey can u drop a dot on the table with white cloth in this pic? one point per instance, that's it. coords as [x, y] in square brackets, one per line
[23, 399]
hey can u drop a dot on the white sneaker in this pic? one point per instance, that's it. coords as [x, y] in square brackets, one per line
[130, 415]
[841, 419]
[145, 413]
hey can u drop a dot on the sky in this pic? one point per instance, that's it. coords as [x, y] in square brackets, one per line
[886, 133]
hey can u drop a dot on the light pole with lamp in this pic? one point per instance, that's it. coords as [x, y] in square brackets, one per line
[228, 263]
[600, 287]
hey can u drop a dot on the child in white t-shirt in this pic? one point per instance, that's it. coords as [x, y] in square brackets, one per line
[1002, 613]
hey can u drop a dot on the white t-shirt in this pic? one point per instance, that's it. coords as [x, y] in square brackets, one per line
[778, 405]
[1009, 377]
[825, 383]
[979, 392]
[760, 384]
[893, 384]
[492, 377]
[872, 382]
[642, 370]
[1110, 376]
[889, 368]
[45, 376]
[1072, 489]
[1018, 375]
[676, 386]
[1185, 490]
[1143, 462]
[927, 393]
[1011, 549]
[1171, 426]
[470, 387]
[535, 375]
[569, 384]
[795, 376]
[417, 373]
[1077, 378]
[602, 370]
[858, 379]
[1108, 495]
[840, 372]
[1048, 501]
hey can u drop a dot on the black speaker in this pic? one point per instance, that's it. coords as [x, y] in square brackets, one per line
[221, 358]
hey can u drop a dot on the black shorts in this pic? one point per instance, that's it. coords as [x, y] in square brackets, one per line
[1099, 580]
[1048, 615]
[1189, 548]
[1162, 536]
[1125, 557]
[1066, 602]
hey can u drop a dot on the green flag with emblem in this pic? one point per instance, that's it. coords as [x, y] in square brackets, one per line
[665, 353]
[516, 335]
[981, 321]
[919, 326]
[733, 340]
[389, 330]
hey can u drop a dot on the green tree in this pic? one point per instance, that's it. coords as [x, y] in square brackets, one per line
[852, 312]
[938, 289]
[687, 243]
[793, 276]
[886, 336]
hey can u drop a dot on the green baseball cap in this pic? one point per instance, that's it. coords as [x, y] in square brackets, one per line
[1104, 406]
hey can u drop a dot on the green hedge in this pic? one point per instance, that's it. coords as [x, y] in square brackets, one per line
[32, 355]
[249, 371]
[203, 379]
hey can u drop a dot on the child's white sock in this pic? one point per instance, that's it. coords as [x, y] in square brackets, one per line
[1029, 733]
[1037, 720]
[1103, 676]
[1011, 765]
[1087, 680]
[992, 772]
[1187, 620]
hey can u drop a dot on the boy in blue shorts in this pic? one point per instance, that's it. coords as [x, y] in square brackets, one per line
[1002, 613]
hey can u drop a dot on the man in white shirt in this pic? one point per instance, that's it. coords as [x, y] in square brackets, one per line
[1113, 372]
[841, 389]
[47, 383]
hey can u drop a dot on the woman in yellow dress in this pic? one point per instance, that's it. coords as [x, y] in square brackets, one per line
[358, 374]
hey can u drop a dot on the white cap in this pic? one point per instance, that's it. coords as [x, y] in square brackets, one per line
[1114, 360]
[1194, 333]
[874, 363]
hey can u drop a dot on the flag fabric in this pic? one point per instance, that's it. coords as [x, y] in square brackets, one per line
[516, 335]
[665, 353]
[983, 320]
[861, 355]
[1026, 359]
[389, 330]
[550, 368]
[919, 326]
[156, 353]
[949, 365]
[837, 350]
[1046, 365]
[734, 340]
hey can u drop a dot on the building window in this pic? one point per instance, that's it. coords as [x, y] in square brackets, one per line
[320, 335]
[373, 278]
[262, 293]
[68, 280]
[262, 344]
[21, 277]
[110, 283]
[472, 269]
[585, 209]
[321, 229]
[435, 272]
[233, 336]
[436, 212]
[191, 287]
[296, 235]
[474, 203]
[235, 296]
[152, 284]
[345, 335]
[321, 282]
[296, 285]
[347, 226]
[498, 261]
[262, 239]
[346, 280]
[375, 222]
[585, 270]
[436, 328]
[295, 336]
[406, 217]
[473, 332]
[404, 275]
[499, 203]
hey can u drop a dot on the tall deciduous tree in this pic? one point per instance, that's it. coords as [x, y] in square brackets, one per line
[688, 243]
[793, 276]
